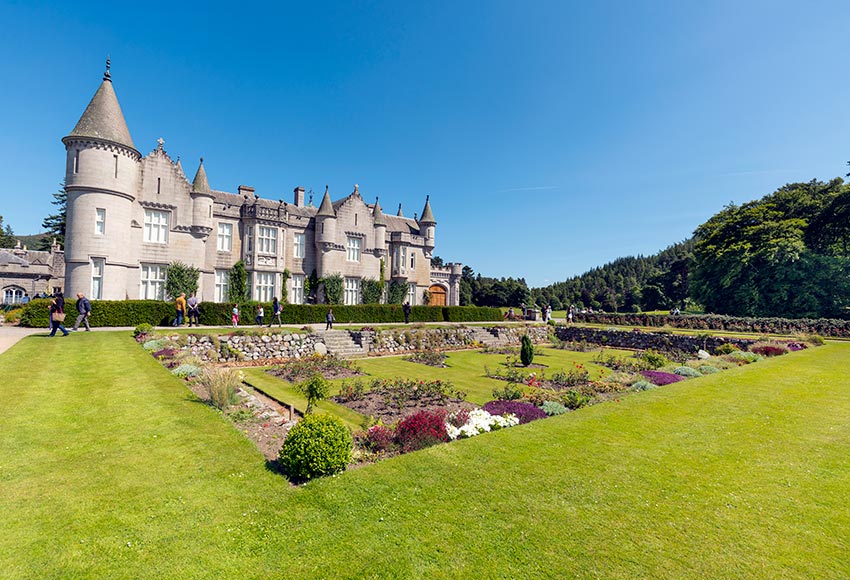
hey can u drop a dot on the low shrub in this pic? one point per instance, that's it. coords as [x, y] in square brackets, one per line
[552, 408]
[186, 370]
[142, 330]
[578, 375]
[165, 353]
[511, 392]
[13, 315]
[316, 446]
[814, 339]
[643, 386]
[745, 357]
[525, 412]
[727, 348]
[796, 346]
[687, 372]
[353, 391]
[380, 438]
[661, 378]
[155, 344]
[708, 369]
[221, 383]
[421, 429]
[654, 359]
[768, 349]
[573, 399]
[433, 358]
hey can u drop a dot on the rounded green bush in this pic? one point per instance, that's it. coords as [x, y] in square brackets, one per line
[643, 386]
[318, 445]
[708, 369]
[687, 372]
[552, 408]
[143, 328]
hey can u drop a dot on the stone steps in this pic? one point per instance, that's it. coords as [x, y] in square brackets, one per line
[341, 343]
[489, 336]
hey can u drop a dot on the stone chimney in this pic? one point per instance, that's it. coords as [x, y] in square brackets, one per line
[246, 190]
[299, 196]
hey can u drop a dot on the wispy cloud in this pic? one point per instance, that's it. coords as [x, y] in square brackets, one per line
[528, 188]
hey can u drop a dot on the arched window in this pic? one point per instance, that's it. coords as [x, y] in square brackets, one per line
[13, 295]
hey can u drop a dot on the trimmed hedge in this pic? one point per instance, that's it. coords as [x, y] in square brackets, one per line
[824, 326]
[158, 313]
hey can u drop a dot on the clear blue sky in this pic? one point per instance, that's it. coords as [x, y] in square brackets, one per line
[552, 136]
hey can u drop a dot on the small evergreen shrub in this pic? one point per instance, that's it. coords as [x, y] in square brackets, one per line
[687, 372]
[526, 351]
[654, 359]
[727, 348]
[552, 408]
[525, 412]
[573, 399]
[643, 386]
[814, 339]
[745, 357]
[155, 344]
[708, 369]
[186, 370]
[143, 329]
[421, 429]
[316, 446]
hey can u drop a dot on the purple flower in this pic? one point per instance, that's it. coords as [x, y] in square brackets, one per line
[525, 412]
[661, 378]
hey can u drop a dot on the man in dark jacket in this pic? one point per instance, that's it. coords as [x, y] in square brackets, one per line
[84, 311]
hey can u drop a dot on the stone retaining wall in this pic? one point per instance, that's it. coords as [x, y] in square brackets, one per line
[639, 340]
[225, 348]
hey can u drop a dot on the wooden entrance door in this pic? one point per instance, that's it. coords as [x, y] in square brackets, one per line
[438, 295]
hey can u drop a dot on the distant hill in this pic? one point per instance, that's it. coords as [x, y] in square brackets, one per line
[32, 242]
[627, 284]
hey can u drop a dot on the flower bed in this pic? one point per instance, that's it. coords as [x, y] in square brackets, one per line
[330, 367]
[660, 378]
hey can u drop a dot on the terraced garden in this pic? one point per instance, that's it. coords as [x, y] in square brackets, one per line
[111, 468]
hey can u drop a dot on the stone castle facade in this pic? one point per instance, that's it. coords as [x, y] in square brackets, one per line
[129, 216]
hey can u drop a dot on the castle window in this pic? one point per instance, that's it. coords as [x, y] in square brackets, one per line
[298, 245]
[13, 295]
[400, 260]
[96, 278]
[352, 291]
[153, 282]
[100, 221]
[412, 260]
[222, 285]
[156, 226]
[266, 240]
[76, 161]
[411, 294]
[297, 293]
[263, 286]
[225, 237]
[249, 240]
[353, 254]
[116, 166]
[355, 219]
[158, 185]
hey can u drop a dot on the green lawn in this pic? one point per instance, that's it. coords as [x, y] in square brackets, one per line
[110, 469]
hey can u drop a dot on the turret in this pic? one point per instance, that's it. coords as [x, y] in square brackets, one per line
[102, 180]
[325, 230]
[427, 224]
[380, 226]
[202, 203]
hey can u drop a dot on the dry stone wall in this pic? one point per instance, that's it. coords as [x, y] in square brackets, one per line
[639, 340]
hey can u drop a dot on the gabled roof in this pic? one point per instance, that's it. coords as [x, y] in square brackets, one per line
[327, 208]
[103, 118]
[200, 183]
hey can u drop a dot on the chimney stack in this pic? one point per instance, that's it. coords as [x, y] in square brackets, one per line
[299, 196]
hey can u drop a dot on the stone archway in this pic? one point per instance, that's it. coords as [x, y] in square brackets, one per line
[438, 295]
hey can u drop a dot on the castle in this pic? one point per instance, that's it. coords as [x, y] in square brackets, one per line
[129, 216]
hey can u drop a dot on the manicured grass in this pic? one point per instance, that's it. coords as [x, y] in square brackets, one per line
[110, 469]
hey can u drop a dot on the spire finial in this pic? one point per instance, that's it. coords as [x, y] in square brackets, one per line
[106, 74]
[202, 160]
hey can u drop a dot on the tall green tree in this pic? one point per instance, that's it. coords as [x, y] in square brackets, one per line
[180, 277]
[7, 236]
[54, 224]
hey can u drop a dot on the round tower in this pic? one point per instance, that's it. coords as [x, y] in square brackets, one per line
[202, 203]
[325, 231]
[101, 180]
[380, 226]
[428, 225]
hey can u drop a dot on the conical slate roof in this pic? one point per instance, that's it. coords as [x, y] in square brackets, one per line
[327, 207]
[200, 183]
[399, 214]
[378, 215]
[427, 215]
[103, 118]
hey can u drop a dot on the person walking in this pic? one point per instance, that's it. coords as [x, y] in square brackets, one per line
[329, 319]
[277, 309]
[57, 315]
[406, 309]
[83, 312]
[260, 314]
[234, 315]
[180, 308]
[570, 314]
[194, 311]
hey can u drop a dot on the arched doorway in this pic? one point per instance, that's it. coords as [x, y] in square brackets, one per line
[438, 295]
